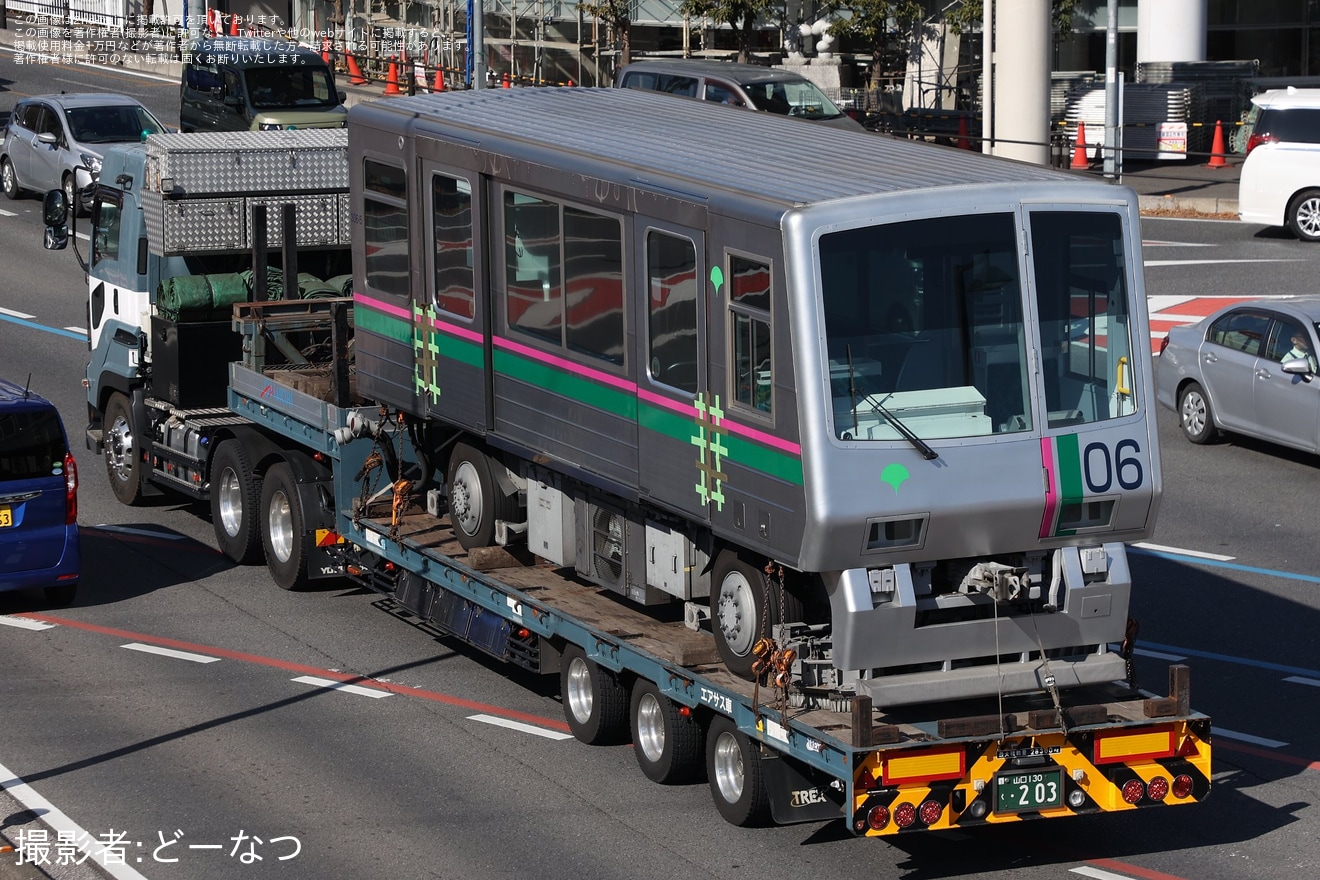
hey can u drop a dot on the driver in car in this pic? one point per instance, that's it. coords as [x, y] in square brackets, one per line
[1300, 349]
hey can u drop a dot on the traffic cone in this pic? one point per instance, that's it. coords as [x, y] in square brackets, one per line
[1079, 160]
[325, 50]
[962, 134]
[1217, 159]
[392, 81]
[506, 84]
[570, 84]
[355, 77]
[439, 80]
[233, 25]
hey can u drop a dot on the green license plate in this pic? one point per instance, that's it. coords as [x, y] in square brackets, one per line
[6, 516]
[1029, 790]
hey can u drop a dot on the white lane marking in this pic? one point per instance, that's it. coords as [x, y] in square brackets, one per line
[127, 530]
[4, 213]
[23, 316]
[169, 652]
[1248, 738]
[1149, 263]
[1297, 679]
[340, 686]
[1181, 319]
[1197, 553]
[519, 726]
[1145, 652]
[65, 827]
[1088, 871]
[1148, 242]
[25, 623]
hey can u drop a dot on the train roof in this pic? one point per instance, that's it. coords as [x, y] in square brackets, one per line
[691, 147]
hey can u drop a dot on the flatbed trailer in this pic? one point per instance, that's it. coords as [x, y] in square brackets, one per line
[1100, 748]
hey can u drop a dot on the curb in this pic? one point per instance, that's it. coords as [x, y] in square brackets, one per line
[1198, 207]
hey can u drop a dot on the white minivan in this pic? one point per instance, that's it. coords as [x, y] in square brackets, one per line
[1280, 180]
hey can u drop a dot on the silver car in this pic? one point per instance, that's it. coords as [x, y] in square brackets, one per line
[1249, 368]
[56, 141]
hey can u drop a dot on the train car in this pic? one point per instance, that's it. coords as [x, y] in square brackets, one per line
[888, 401]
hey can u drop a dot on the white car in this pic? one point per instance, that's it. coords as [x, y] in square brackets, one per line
[1280, 180]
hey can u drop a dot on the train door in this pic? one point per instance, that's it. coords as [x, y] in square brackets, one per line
[678, 422]
[450, 322]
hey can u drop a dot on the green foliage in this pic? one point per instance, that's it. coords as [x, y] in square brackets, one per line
[876, 21]
[616, 12]
[969, 14]
[734, 13]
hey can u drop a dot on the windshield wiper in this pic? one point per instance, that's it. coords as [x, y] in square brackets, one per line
[920, 445]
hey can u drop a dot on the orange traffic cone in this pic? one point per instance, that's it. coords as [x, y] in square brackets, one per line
[355, 77]
[392, 80]
[439, 80]
[962, 134]
[1217, 159]
[1079, 160]
[507, 84]
[570, 84]
[233, 25]
[325, 49]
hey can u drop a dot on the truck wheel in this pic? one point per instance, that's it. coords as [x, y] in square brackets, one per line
[475, 498]
[669, 746]
[738, 611]
[737, 783]
[595, 703]
[235, 500]
[9, 180]
[123, 458]
[1195, 417]
[1304, 215]
[282, 534]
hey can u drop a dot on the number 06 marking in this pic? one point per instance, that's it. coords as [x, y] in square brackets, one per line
[1101, 468]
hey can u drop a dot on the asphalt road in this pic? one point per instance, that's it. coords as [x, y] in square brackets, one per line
[224, 740]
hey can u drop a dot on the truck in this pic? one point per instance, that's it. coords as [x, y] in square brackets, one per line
[808, 473]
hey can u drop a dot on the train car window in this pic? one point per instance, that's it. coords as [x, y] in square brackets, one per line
[531, 269]
[924, 326]
[593, 284]
[451, 222]
[385, 222]
[749, 304]
[1085, 325]
[671, 273]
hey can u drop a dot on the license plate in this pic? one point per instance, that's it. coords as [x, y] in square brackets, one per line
[6, 516]
[1029, 790]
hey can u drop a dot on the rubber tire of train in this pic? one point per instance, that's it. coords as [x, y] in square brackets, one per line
[1304, 215]
[282, 530]
[595, 701]
[670, 748]
[125, 478]
[235, 495]
[472, 485]
[1189, 396]
[737, 780]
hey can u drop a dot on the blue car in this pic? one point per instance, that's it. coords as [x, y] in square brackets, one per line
[39, 545]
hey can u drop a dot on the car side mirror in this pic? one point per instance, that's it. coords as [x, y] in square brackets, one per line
[48, 137]
[1296, 366]
[55, 213]
[342, 95]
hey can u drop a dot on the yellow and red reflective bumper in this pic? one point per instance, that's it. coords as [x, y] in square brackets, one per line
[1043, 776]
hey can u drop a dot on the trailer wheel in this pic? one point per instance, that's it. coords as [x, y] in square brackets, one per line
[737, 782]
[235, 500]
[595, 703]
[282, 534]
[123, 458]
[669, 746]
[475, 498]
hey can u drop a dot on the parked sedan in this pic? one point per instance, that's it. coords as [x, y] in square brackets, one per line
[57, 141]
[1249, 368]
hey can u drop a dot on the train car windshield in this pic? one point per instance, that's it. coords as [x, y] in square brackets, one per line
[925, 332]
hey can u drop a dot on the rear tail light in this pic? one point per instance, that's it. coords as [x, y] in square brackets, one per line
[1164, 343]
[1133, 791]
[930, 812]
[70, 490]
[904, 815]
[877, 818]
[1257, 139]
[1182, 786]
[1158, 789]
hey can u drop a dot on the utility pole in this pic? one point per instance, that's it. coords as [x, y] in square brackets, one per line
[1111, 91]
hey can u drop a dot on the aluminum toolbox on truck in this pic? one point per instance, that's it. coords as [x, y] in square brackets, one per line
[201, 189]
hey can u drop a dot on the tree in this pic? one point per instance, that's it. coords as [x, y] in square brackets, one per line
[969, 14]
[740, 15]
[877, 24]
[617, 16]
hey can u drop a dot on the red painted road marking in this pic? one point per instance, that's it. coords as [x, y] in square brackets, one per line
[301, 669]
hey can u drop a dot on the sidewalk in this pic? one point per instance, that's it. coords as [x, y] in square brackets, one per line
[1177, 188]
